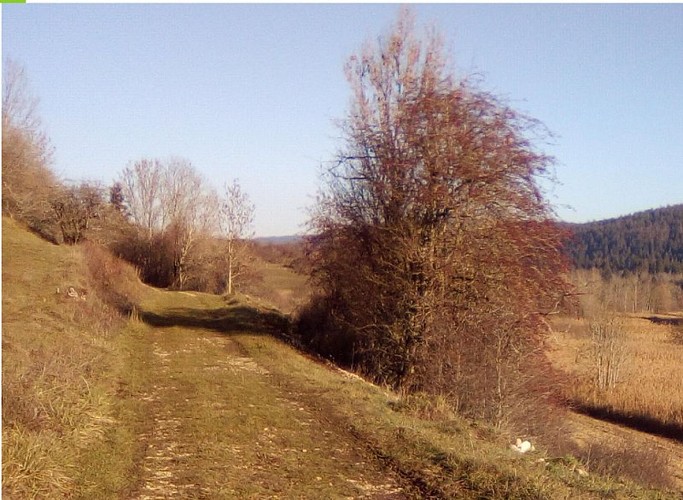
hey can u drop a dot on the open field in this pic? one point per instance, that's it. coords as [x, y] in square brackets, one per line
[279, 286]
[651, 379]
[648, 396]
[202, 400]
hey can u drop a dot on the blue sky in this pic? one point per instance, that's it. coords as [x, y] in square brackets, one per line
[251, 91]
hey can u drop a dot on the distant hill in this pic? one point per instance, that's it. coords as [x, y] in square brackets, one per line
[650, 241]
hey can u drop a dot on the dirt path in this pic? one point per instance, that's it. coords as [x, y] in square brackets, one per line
[218, 425]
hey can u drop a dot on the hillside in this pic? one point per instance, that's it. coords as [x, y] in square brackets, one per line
[59, 370]
[197, 396]
[649, 241]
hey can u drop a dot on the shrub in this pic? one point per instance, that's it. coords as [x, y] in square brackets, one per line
[608, 350]
[74, 209]
[27, 180]
[319, 330]
[434, 246]
[115, 281]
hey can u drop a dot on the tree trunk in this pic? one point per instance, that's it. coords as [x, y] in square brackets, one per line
[230, 275]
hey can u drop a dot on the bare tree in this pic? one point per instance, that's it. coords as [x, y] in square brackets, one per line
[190, 212]
[608, 348]
[175, 207]
[27, 180]
[434, 247]
[19, 105]
[75, 208]
[236, 220]
[142, 185]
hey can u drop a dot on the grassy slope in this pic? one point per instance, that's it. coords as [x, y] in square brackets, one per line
[58, 358]
[279, 286]
[205, 401]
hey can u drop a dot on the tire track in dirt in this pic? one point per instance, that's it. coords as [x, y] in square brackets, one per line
[295, 451]
[163, 462]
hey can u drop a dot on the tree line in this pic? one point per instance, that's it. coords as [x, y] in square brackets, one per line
[160, 215]
[644, 242]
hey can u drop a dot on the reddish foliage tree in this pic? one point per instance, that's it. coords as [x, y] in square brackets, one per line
[436, 252]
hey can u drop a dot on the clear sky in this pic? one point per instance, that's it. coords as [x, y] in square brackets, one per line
[251, 91]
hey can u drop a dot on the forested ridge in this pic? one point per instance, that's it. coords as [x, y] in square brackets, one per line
[649, 241]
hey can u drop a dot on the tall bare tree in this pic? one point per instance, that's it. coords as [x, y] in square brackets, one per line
[19, 104]
[142, 183]
[236, 220]
[190, 212]
[435, 249]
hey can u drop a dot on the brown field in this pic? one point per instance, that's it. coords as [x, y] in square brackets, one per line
[645, 409]
[651, 381]
[278, 286]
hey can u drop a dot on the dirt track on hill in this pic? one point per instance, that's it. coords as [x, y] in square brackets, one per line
[220, 426]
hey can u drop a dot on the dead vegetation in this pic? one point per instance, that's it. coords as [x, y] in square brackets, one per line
[114, 435]
[459, 332]
[649, 385]
[646, 399]
[435, 255]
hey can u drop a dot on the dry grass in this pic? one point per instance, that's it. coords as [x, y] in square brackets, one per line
[91, 414]
[422, 440]
[651, 382]
[212, 422]
[648, 397]
[116, 282]
[644, 465]
[279, 286]
[58, 357]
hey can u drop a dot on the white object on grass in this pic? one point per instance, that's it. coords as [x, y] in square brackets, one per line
[522, 446]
